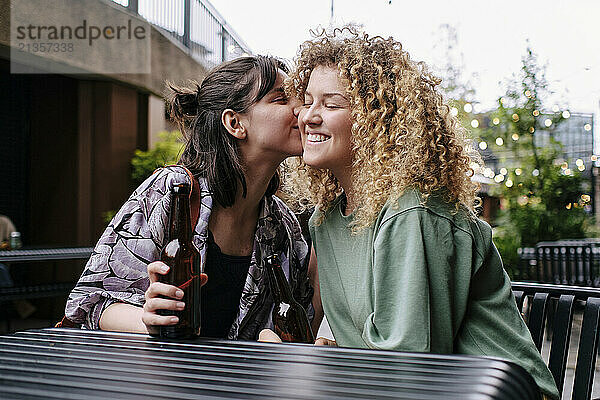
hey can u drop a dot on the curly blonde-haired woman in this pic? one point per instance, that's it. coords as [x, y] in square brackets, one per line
[403, 262]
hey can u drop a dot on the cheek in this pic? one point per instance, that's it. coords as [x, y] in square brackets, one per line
[342, 125]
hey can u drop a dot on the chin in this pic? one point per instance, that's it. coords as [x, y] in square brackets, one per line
[312, 161]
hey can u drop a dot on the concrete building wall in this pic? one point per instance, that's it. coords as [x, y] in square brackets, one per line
[156, 119]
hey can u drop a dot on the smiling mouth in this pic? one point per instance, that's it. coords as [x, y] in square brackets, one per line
[315, 137]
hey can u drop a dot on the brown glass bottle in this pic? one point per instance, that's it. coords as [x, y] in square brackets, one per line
[184, 262]
[289, 317]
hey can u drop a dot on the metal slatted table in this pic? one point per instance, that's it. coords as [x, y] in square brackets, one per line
[80, 364]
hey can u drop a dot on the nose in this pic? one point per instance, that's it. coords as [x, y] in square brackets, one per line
[310, 116]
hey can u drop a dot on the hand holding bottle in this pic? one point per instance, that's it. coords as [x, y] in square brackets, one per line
[161, 296]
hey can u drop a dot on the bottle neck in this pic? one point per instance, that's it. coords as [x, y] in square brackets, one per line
[279, 284]
[180, 226]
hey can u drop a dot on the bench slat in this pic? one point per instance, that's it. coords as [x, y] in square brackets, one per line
[561, 337]
[519, 297]
[588, 348]
[536, 319]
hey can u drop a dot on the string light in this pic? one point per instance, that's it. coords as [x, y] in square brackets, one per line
[566, 114]
[475, 123]
[518, 171]
[496, 121]
[594, 157]
[548, 122]
[568, 171]
[509, 183]
[468, 107]
[515, 136]
[555, 108]
[515, 117]
[579, 162]
[564, 165]
[499, 178]
[587, 127]
[531, 129]
[536, 113]
[581, 168]
[528, 93]
[586, 198]
[454, 111]
[499, 141]
[482, 145]
[535, 172]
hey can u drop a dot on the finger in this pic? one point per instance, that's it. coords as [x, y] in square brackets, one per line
[325, 342]
[157, 289]
[157, 303]
[267, 335]
[155, 269]
[152, 319]
[203, 279]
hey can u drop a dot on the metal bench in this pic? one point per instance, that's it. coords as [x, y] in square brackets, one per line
[562, 307]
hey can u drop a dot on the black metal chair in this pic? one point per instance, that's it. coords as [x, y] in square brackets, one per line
[565, 299]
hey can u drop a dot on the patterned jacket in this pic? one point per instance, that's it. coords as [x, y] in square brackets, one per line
[117, 269]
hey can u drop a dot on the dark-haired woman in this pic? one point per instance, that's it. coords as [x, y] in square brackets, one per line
[239, 126]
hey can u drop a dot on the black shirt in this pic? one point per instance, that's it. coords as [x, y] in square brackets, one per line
[220, 297]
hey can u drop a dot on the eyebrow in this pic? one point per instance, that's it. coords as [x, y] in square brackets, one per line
[278, 90]
[331, 94]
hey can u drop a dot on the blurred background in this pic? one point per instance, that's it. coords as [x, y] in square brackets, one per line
[523, 77]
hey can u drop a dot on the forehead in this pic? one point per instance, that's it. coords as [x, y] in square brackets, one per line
[325, 79]
[281, 77]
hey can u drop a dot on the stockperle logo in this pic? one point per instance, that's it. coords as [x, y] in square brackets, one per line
[78, 36]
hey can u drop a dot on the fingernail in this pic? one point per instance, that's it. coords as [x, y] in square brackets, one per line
[181, 305]
[179, 294]
[174, 319]
[164, 268]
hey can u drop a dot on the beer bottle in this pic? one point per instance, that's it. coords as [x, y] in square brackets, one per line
[184, 267]
[289, 317]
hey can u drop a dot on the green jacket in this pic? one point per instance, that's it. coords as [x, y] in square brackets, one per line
[424, 279]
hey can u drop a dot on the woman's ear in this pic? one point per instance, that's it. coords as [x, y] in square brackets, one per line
[231, 122]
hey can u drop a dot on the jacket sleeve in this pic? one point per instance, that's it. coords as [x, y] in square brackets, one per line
[405, 275]
[493, 325]
[117, 269]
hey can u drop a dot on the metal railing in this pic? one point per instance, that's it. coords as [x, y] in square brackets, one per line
[196, 24]
[573, 262]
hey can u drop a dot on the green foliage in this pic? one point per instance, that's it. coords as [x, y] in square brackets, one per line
[107, 216]
[542, 199]
[507, 239]
[165, 152]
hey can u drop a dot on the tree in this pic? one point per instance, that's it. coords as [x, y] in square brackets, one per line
[542, 199]
[166, 151]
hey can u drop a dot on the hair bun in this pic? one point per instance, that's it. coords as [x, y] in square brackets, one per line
[183, 102]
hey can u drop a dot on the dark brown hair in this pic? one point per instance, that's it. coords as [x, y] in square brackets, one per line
[210, 152]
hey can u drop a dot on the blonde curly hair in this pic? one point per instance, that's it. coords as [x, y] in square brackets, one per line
[403, 135]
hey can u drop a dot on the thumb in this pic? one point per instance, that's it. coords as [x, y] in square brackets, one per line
[267, 335]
